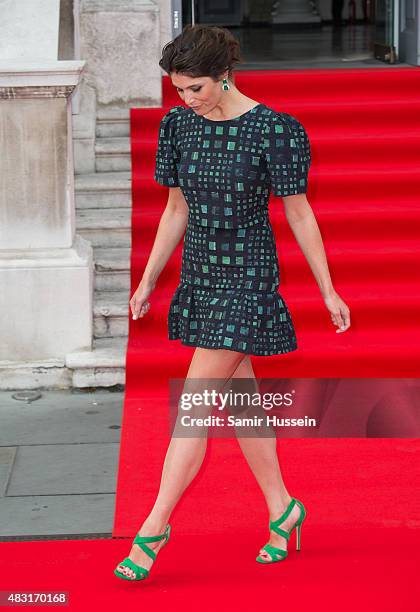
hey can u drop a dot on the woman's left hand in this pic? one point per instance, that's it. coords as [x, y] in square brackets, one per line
[340, 312]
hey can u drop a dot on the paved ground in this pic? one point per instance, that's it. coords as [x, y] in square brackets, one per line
[58, 462]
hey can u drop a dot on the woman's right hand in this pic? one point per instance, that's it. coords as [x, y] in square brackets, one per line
[139, 302]
[340, 312]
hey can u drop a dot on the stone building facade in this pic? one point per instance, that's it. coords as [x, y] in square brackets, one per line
[66, 183]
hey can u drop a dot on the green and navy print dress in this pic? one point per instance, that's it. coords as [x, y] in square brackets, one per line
[227, 296]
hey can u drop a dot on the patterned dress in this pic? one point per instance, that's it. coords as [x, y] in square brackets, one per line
[228, 292]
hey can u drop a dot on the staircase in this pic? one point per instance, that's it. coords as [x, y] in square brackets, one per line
[364, 130]
[103, 216]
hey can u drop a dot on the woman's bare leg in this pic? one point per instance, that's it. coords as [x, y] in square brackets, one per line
[261, 455]
[184, 455]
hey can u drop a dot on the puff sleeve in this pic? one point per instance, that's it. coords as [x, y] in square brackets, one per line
[167, 154]
[288, 155]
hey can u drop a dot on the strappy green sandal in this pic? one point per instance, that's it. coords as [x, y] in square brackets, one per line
[141, 572]
[273, 551]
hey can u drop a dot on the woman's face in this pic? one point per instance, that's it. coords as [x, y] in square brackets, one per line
[202, 94]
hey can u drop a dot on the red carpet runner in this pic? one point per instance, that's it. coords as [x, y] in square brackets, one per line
[339, 568]
[364, 185]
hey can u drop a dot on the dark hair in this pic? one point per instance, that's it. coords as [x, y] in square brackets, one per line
[201, 50]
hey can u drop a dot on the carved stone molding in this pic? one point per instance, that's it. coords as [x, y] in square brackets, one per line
[44, 74]
[14, 93]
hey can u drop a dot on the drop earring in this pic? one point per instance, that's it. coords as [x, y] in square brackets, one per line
[225, 86]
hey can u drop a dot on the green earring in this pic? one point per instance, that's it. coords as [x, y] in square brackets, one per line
[225, 85]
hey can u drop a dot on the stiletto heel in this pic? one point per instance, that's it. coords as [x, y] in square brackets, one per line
[141, 573]
[275, 552]
[298, 528]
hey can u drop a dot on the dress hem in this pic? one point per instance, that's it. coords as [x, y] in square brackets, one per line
[227, 348]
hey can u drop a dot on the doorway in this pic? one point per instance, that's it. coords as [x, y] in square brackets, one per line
[279, 34]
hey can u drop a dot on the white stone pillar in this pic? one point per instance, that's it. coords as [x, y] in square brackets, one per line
[29, 29]
[46, 271]
[120, 41]
[121, 44]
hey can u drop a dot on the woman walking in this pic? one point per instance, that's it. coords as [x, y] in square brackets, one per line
[220, 157]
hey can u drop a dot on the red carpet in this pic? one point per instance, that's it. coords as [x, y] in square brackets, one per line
[364, 184]
[363, 512]
[338, 568]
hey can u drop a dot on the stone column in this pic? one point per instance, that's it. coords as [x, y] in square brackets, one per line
[46, 271]
[120, 41]
[29, 29]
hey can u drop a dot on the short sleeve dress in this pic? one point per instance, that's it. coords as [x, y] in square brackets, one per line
[228, 295]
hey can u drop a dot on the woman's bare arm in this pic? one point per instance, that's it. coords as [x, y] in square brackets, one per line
[305, 228]
[171, 228]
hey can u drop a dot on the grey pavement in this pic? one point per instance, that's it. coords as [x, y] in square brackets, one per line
[58, 462]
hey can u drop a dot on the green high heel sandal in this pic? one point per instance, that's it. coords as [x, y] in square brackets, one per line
[273, 551]
[141, 572]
